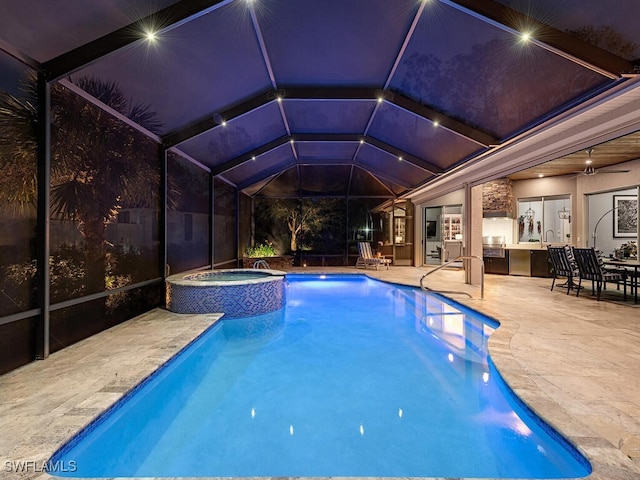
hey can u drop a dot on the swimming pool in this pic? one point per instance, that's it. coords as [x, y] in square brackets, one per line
[354, 377]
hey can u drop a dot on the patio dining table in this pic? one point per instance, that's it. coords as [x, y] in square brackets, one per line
[628, 265]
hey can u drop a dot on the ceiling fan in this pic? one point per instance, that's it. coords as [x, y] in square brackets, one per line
[589, 170]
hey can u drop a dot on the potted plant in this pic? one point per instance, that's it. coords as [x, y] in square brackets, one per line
[629, 249]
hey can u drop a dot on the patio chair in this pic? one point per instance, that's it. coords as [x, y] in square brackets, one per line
[366, 258]
[564, 265]
[590, 268]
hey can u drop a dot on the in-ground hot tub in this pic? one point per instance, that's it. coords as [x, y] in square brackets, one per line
[236, 293]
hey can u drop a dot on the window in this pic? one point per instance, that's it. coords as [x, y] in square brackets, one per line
[544, 219]
[124, 216]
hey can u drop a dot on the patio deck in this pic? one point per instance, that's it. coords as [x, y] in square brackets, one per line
[575, 361]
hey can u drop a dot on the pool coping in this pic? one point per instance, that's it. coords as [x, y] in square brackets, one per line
[178, 279]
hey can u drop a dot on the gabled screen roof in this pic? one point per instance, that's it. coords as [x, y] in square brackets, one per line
[339, 97]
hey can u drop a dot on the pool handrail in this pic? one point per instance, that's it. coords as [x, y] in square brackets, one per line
[461, 257]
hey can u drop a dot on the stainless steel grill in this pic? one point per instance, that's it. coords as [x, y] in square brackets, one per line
[493, 246]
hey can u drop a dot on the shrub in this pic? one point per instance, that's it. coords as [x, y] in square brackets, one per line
[265, 249]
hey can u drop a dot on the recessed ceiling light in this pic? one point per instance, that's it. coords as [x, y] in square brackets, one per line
[400, 158]
[380, 99]
[540, 175]
[279, 99]
[525, 36]
[224, 123]
[150, 35]
[436, 123]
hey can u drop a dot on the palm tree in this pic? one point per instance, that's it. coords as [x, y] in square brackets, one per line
[18, 152]
[98, 163]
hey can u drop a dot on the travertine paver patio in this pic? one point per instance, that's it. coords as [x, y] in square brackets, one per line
[575, 361]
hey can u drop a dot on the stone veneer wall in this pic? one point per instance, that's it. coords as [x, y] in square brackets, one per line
[283, 262]
[497, 196]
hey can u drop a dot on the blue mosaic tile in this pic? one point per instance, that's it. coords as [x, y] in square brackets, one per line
[238, 300]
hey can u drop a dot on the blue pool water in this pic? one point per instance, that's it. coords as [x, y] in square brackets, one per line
[354, 377]
[228, 276]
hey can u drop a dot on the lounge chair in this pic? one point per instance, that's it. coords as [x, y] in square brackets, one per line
[590, 268]
[366, 258]
[564, 265]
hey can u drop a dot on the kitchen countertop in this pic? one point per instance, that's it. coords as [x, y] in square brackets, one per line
[532, 246]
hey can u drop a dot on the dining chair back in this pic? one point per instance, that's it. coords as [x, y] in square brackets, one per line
[590, 268]
[564, 265]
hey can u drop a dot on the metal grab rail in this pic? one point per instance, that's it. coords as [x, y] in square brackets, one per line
[461, 257]
[261, 264]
